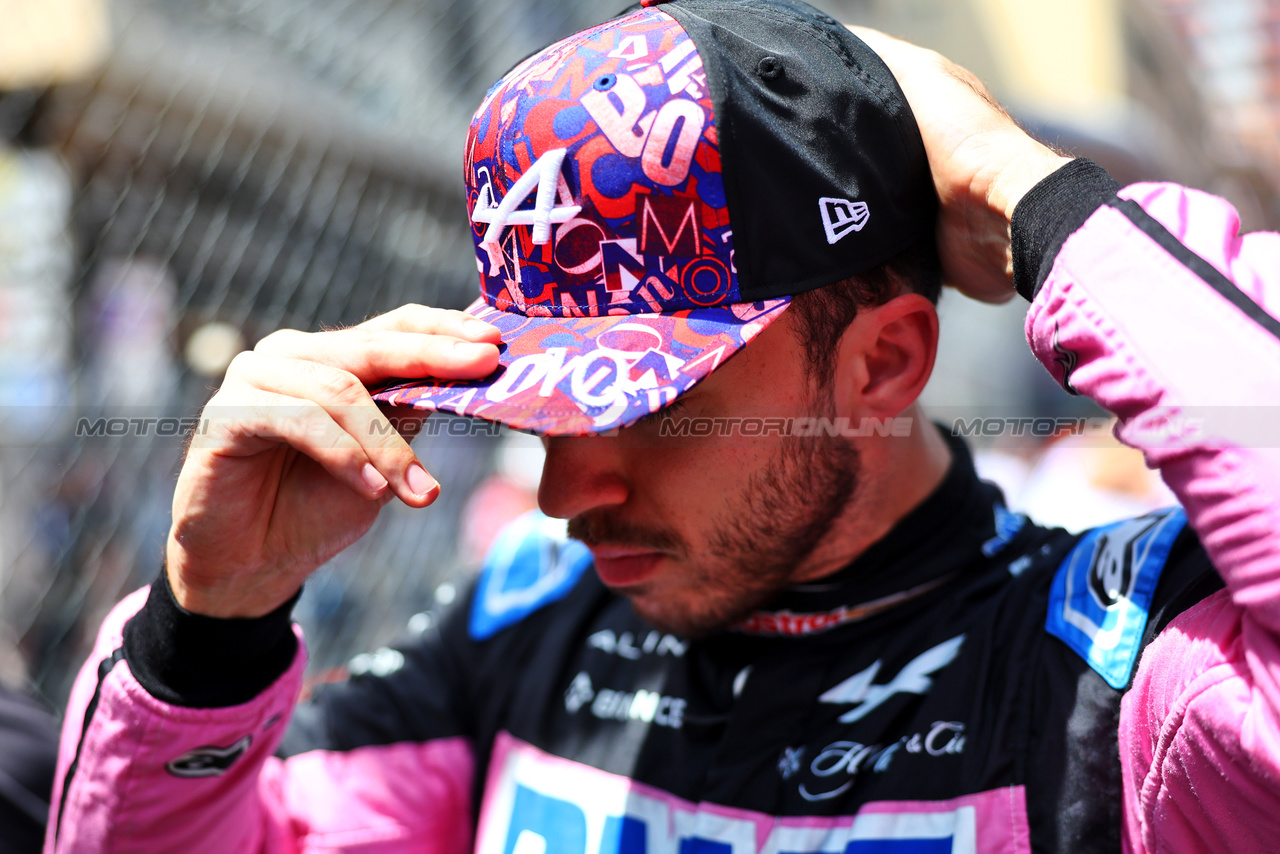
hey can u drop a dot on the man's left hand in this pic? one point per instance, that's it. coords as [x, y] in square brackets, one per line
[982, 163]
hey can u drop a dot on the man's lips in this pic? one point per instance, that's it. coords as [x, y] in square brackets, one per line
[623, 566]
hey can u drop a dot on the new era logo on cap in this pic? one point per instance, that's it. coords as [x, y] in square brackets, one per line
[841, 216]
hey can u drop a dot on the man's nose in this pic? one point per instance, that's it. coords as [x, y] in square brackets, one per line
[581, 474]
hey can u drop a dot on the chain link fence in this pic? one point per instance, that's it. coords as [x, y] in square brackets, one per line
[235, 167]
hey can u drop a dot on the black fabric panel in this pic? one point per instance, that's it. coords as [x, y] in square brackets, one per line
[1059, 717]
[1049, 213]
[1087, 813]
[422, 699]
[28, 753]
[1188, 578]
[191, 660]
[816, 130]
[1193, 262]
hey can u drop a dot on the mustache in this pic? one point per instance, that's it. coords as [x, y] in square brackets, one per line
[598, 528]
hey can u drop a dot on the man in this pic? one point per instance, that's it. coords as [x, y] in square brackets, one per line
[759, 640]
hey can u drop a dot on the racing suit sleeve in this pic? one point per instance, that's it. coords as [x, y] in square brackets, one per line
[1150, 302]
[171, 733]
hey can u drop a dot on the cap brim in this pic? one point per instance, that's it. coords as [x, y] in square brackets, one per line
[573, 376]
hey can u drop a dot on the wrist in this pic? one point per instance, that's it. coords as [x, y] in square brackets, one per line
[1025, 169]
[1049, 214]
[196, 661]
[241, 595]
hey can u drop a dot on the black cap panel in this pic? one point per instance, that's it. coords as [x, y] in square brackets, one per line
[817, 144]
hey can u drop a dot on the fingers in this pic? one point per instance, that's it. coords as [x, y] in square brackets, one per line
[881, 43]
[949, 101]
[982, 163]
[323, 412]
[439, 321]
[967, 78]
[307, 391]
[907, 61]
[407, 420]
[412, 341]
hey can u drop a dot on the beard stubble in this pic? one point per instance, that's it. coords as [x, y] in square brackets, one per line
[760, 537]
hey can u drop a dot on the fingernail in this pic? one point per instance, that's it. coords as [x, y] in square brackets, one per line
[373, 477]
[419, 481]
[476, 327]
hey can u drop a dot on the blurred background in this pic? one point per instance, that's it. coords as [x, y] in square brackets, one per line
[178, 178]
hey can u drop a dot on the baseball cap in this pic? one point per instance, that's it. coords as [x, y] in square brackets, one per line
[647, 195]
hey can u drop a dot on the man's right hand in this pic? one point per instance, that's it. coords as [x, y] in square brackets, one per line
[296, 459]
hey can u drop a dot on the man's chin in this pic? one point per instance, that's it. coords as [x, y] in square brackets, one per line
[680, 615]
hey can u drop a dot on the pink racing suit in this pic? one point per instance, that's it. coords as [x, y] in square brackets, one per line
[1170, 315]
[1148, 302]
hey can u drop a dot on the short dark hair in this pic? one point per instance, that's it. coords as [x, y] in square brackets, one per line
[823, 314]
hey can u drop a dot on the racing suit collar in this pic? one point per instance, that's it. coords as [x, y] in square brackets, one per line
[935, 542]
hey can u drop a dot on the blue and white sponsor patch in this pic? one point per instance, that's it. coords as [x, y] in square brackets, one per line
[531, 564]
[1101, 594]
[539, 803]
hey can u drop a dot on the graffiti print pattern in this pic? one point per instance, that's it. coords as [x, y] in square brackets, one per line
[636, 201]
[591, 374]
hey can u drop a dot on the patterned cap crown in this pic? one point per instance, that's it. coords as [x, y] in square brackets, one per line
[594, 178]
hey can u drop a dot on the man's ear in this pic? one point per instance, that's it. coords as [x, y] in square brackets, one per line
[885, 358]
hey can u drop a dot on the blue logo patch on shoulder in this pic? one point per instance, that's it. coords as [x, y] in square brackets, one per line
[531, 564]
[1102, 592]
[1008, 525]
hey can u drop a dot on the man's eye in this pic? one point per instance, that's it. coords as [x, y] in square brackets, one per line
[669, 411]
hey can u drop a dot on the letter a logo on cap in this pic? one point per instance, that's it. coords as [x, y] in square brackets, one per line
[841, 216]
[544, 177]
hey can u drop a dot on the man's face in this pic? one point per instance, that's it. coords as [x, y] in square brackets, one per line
[698, 532]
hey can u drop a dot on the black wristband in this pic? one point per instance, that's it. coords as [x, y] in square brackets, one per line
[191, 660]
[1049, 213]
